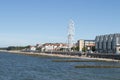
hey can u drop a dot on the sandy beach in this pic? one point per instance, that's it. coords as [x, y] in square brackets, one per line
[59, 55]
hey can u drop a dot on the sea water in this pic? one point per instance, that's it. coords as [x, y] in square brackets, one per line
[26, 67]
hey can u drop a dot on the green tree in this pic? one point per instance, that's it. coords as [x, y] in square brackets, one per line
[75, 48]
[39, 49]
[16, 47]
[93, 48]
[84, 49]
[61, 49]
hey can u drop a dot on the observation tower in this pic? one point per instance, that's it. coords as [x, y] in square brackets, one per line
[71, 33]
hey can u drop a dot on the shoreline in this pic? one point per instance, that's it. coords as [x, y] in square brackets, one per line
[59, 55]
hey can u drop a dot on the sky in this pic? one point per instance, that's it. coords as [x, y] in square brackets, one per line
[30, 22]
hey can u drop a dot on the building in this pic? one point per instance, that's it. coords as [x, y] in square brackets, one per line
[32, 48]
[38, 45]
[53, 46]
[109, 43]
[88, 44]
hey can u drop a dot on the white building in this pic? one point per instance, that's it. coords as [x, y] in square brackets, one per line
[53, 46]
[108, 43]
[32, 48]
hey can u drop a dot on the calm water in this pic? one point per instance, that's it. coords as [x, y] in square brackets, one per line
[23, 67]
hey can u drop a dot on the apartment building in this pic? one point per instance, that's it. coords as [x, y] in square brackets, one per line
[88, 44]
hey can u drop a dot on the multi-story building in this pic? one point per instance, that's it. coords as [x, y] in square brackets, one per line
[108, 43]
[88, 44]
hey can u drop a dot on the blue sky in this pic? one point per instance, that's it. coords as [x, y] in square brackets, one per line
[24, 22]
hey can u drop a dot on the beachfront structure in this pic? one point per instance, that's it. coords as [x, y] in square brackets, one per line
[109, 43]
[53, 46]
[88, 44]
[32, 48]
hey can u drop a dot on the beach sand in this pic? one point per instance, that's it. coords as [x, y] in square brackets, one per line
[59, 55]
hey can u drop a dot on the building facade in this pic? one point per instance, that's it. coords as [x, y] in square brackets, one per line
[53, 46]
[88, 44]
[108, 43]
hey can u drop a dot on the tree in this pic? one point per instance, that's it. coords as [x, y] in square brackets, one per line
[93, 48]
[75, 48]
[16, 47]
[84, 49]
[39, 49]
[61, 49]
